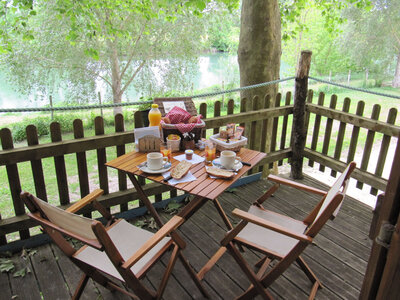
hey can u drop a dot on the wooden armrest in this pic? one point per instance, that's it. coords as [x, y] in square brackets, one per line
[296, 185]
[270, 225]
[171, 225]
[84, 201]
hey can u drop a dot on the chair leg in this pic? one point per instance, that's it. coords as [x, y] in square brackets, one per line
[168, 272]
[81, 286]
[258, 287]
[266, 195]
[306, 269]
[193, 275]
[213, 260]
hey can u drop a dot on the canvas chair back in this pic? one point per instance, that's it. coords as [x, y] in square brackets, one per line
[334, 197]
[75, 224]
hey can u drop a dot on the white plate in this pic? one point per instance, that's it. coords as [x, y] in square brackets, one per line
[238, 165]
[143, 167]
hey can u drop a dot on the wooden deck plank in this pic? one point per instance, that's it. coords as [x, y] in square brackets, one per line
[338, 257]
[348, 269]
[327, 252]
[72, 275]
[5, 287]
[24, 287]
[52, 284]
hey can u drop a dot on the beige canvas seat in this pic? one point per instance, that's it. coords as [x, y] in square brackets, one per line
[118, 250]
[280, 237]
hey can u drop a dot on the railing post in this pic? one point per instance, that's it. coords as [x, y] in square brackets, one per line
[299, 109]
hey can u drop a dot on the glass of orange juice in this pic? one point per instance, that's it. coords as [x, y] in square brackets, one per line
[210, 152]
[165, 149]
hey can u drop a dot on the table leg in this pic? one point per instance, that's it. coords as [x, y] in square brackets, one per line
[145, 200]
[194, 205]
[213, 260]
[222, 214]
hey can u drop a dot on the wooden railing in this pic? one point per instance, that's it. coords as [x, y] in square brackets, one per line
[348, 127]
[268, 128]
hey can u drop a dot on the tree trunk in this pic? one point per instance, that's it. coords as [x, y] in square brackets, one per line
[116, 78]
[259, 50]
[396, 79]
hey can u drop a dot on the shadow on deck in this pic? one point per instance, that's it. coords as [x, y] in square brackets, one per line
[338, 255]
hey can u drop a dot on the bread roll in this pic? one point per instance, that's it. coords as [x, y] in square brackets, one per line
[220, 173]
[193, 119]
[181, 169]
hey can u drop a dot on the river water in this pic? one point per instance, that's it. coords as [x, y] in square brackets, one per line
[213, 69]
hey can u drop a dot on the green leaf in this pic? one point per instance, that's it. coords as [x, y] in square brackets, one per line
[6, 265]
[20, 273]
[152, 224]
[140, 223]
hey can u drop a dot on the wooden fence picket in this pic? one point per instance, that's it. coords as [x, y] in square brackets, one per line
[36, 164]
[14, 181]
[101, 156]
[328, 131]
[355, 133]
[119, 126]
[384, 148]
[317, 125]
[81, 163]
[275, 122]
[203, 112]
[376, 110]
[59, 163]
[285, 121]
[340, 136]
[217, 113]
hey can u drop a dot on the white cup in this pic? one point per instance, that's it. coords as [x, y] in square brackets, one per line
[228, 159]
[155, 160]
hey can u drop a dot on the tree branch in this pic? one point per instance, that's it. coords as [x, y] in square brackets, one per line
[60, 65]
[133, 51]
[133, 76]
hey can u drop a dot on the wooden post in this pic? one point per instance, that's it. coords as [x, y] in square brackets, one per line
[223, 95]
[348, 77]
[379, 279]
[299, 110]
[51, 108]
[101, 108]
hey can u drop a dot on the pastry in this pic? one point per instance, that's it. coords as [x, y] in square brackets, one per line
[220, 173]
[181, 169]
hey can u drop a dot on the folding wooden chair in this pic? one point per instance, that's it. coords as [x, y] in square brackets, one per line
[118, 250]
[280, 237]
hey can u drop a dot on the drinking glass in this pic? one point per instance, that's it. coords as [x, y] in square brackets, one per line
[165, 149]
[210, 152]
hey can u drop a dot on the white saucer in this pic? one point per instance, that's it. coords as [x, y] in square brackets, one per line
[238, 165]
[143, 167]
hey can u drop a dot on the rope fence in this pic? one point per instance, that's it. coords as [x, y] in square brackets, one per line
[354, 88]
[204, 95]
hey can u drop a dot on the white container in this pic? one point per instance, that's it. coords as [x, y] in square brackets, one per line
[223, 145]
[175, 144]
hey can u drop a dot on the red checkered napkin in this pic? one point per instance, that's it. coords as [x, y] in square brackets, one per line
[178, 115]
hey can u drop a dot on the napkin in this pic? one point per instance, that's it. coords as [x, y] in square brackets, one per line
[187, 178]
[195, 159]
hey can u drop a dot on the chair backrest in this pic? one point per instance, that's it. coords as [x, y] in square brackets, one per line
[338, 190]
[78, 226]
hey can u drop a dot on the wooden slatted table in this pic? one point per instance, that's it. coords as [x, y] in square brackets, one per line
[204, 188]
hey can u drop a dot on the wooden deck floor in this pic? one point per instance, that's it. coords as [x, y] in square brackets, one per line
[338, 256]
